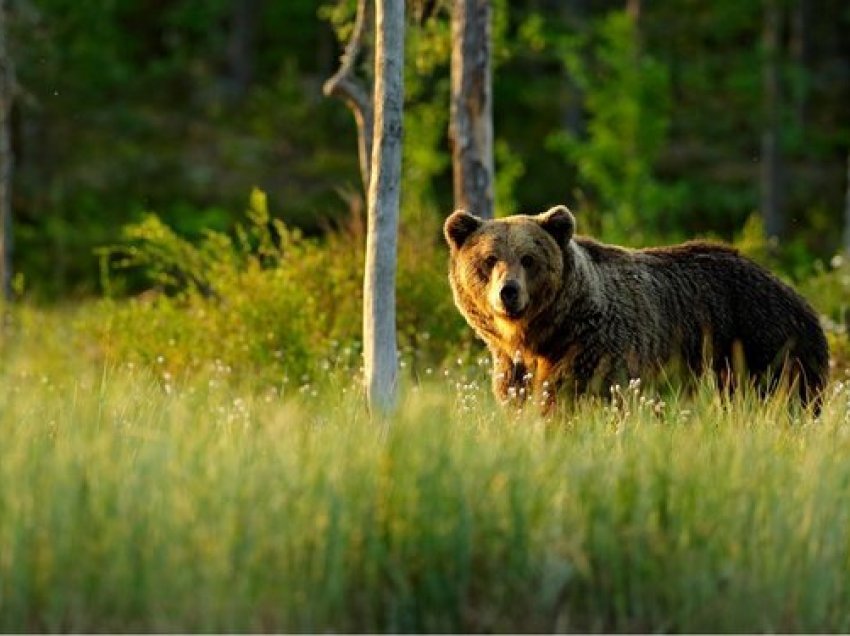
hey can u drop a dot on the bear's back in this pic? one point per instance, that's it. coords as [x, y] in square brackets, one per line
[701, 286]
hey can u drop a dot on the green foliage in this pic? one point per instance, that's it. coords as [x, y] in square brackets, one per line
[754, 243]
[828, 288]
[267, 300]
[122, 109]
[340, 14]
[135, 501]
[627, 96]
[509, 170]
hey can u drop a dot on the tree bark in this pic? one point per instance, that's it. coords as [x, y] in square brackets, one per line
[799, 46]
[471, 115]
[572, 13]
[7, 87]
[241, 46]
[345, 85]
[379, 322]
[771, 158]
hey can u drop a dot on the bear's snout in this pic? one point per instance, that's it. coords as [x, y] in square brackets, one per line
[510, 293]
[511, 297]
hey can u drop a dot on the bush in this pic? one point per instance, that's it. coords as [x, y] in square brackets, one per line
[829, 291]
[267, 300]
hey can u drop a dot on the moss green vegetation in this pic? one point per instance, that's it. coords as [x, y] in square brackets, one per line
[134, 500]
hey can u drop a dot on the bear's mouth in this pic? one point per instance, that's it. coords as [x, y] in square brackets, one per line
[512, 313]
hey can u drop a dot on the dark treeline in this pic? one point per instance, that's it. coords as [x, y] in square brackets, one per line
[654, 121]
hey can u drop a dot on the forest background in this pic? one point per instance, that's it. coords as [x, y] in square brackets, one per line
[648, 120]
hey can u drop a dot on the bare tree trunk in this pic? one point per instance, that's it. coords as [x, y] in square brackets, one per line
[800, 54]
[345, 85]
[471, 125]
[847, 209]
[7, 87]
[771, 159]
[572, 13]
[241, 46]
[379, 132]
[379, 324]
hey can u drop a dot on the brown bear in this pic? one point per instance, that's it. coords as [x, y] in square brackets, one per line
[566, 313]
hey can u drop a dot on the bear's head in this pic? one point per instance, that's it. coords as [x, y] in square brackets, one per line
[509, 268]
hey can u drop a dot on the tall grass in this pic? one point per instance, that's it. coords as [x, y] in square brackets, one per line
[130, 501]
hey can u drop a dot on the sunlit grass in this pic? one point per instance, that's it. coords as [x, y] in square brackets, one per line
[133, 501]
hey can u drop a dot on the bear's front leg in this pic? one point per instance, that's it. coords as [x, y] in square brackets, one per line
[549, 382]
[511, 383]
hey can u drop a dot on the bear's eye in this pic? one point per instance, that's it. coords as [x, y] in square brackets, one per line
[490, 262]
[527, 261]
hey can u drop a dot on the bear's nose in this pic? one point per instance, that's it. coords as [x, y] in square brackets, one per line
[509, 293]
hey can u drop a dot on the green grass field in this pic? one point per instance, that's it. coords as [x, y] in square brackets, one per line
[133, 501]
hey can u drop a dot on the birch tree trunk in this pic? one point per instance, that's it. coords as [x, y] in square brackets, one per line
[471, 115]
[379, 323]
[7, 87]
[771, 167]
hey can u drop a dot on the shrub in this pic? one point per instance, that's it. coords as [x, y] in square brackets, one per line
[829, 291]
[267, 300]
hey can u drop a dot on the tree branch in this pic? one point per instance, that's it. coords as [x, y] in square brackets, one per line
[345, 85]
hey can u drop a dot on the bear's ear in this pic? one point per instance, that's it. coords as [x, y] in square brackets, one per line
[459, 226]
[559, 222]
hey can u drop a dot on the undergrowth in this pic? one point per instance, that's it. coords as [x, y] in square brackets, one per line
[265, 300]
[131, 501]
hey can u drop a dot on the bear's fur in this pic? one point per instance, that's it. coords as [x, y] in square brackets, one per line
[566, 313]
